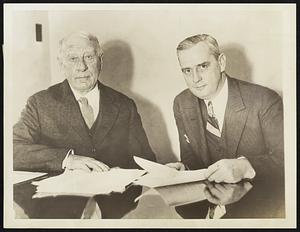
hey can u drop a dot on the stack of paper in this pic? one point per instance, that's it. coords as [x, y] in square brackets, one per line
[21, 176]
[82, 183]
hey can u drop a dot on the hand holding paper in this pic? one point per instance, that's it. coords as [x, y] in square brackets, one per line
[230, 171]
[177, 165]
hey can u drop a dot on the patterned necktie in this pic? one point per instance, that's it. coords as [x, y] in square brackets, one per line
[87, 111]
[211, 116]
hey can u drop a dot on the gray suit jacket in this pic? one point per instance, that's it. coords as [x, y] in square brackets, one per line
[254, 128]
[51, 124]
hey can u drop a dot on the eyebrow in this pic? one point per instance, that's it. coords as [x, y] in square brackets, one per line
[74, 53]
[205, 62]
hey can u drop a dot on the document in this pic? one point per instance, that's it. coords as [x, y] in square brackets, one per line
[21, 176]
[82, 183]
[175, 187]
[160, 175]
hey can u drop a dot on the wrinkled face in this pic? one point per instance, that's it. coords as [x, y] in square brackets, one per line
[201, 70]
[80, 64]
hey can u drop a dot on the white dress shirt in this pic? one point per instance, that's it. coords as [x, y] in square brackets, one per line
[93, 100]
[92, 96]
[219, 103]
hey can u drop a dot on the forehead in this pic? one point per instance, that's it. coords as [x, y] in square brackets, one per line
[195, 55]
[78, 44]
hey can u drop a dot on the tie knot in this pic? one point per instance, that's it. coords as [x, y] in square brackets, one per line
[210, 109]
[83, 101]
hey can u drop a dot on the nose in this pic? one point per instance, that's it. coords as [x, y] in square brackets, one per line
[196, 76]
[81, 65]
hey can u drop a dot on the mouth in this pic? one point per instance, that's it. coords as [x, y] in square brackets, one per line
[82, 78]
[200, 87]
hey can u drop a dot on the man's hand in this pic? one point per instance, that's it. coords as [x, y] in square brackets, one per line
[230, 171]
[224, 194]
[177, 165]
[87, 164]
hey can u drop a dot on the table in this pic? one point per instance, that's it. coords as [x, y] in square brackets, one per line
[264, 200]
[72, 206]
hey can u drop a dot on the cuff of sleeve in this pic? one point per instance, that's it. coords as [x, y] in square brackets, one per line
[250, 173]
[70, 152]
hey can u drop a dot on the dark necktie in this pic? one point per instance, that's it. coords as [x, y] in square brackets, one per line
[211, 116]
[87, 111]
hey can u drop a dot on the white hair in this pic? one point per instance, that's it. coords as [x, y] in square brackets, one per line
[79, 34]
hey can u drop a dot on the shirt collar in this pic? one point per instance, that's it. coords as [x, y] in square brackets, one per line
[93, 94]
[222, 95]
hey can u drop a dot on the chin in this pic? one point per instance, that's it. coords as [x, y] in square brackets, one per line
[197, 94]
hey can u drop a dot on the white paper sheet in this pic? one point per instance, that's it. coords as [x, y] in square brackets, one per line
[153, 167]
[161, 175]
[81, 183]
[21, 176]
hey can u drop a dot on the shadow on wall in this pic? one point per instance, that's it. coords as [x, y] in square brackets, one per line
[237, 64]
[118, 67]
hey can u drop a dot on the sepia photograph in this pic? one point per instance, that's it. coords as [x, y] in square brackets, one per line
[149, 115]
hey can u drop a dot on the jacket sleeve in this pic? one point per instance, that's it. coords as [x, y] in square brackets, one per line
[187, 155]
[138, 141]
[28, 153]
[271, 122]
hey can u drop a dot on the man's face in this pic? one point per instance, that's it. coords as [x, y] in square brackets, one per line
[201, 70]
[81, 64]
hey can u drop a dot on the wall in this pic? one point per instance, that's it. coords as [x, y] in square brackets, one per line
[28, 63]
[140, 58]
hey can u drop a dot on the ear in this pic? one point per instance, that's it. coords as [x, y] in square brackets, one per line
[222, 61]
[101, 62]
[60, 61]
[61, 66]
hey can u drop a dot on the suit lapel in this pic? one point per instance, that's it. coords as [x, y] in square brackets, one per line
[195, 128]
[73, 113]
[236, 115]
[108, 110]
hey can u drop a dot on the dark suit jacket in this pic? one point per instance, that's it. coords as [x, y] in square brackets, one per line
[51, 124]
[254, 128]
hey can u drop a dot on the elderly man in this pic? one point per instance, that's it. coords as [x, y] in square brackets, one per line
[231, 127]
[79, 123]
